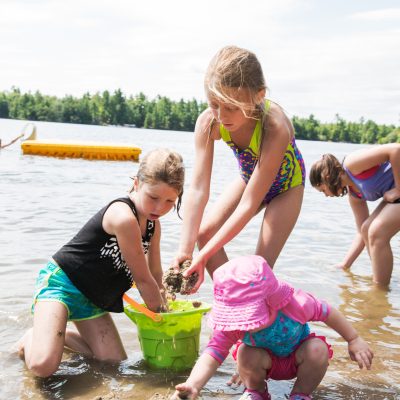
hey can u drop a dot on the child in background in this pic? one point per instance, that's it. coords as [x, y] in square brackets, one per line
[269, 319]
[368, 175]
[271, 167]
[87, 277]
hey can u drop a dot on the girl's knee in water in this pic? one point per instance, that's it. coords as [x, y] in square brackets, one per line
[316, 352]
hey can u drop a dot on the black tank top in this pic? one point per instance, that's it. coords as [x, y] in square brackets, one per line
[94, 263]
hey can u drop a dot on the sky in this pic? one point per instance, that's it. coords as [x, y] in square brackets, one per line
[319, 57]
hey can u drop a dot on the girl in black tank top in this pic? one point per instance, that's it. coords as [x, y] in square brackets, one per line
[118, 246]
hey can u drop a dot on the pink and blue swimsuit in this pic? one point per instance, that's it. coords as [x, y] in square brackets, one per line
[372, 183]
[281, 338]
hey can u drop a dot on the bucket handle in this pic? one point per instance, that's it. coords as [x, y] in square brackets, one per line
[156, 317]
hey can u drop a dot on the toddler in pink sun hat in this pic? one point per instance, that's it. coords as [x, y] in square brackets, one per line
[266, 321]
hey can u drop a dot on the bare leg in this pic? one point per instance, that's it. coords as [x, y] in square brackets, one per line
[102, 338]
[42, 346]
[220, 212]
[367, 223]
[382, 226]
[280, 217]
[75, 342]
[312, 364]
[253, 364]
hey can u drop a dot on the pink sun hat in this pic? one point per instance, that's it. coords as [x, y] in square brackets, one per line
[245, 292]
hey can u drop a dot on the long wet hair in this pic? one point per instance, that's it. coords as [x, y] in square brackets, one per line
[236, 68]
[163, 165]
[328, 171]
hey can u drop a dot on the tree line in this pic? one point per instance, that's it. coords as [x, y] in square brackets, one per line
[162, 113]
[344, 131]
[102, 109]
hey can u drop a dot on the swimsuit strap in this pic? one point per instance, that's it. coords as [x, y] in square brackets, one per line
[255, 138]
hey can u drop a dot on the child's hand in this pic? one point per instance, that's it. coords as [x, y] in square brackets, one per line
[235, 380]
[392, 195]
[342, 265]
[178, 260]
[360, 352]
[184, 391]
[164, 297]
[198, 265]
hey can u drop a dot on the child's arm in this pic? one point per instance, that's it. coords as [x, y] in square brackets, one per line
[198, 194]
[154, 261]
[154, 255]
[213, 356]
[203, 370]
[361, 213]
[119, 220]
[358, 349]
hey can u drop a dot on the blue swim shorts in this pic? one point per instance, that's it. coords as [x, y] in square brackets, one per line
[53, 284]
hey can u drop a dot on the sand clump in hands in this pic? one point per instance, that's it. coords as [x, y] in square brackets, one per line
[176, 283]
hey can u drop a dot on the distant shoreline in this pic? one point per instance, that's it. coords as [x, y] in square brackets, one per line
[116, 109]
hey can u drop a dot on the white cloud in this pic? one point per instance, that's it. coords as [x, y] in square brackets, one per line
[354, 76]
[378, 15]
[320, 60]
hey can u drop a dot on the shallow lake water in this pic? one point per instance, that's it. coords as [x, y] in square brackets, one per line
[44, 201]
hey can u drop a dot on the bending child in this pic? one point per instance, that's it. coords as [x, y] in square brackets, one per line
[368, 175]
[269, 319]
[271, 167]
[87, 277]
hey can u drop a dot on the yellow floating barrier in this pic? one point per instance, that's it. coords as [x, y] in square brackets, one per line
[87, 150]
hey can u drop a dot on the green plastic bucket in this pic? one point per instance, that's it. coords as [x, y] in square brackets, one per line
[173, 342]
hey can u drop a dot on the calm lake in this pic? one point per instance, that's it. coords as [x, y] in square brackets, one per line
[44, 201]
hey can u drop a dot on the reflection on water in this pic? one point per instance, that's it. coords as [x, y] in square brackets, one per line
[372, 312]
[44, 201]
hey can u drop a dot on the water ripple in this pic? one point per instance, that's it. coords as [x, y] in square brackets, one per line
[44, 201]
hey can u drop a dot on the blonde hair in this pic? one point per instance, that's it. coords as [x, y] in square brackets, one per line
[163, 165]
[236, 68]
[328, 171]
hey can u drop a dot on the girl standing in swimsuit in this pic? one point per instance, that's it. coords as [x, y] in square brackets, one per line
[271, 167]
[368, 175]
